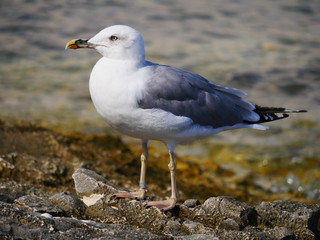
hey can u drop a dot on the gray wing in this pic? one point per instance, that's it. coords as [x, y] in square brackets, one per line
[187, 94]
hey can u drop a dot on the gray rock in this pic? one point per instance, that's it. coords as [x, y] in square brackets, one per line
[281, 233]
[38, 204]
[101, 205]
[277, 233]
[191, 203]
[302, 219]
[96, 193]
[6, 197]
[217, 209]
[228, 207]
[173, 228]
[88, 182]
[19, 223]
[253, 233]
[196, 222]
[229, 224]
[198, 237]
[152, 218]
[9, 193]
[69, 203]
[194, 228]
[223, 218]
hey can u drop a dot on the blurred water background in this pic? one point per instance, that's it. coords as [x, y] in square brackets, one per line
[267, 48]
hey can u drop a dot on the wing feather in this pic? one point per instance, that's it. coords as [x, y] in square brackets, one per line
[187, 94]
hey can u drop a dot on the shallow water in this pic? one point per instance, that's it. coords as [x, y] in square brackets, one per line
[270, 49]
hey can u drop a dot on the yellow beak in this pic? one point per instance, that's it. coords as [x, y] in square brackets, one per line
[72, 44]
[79, 43]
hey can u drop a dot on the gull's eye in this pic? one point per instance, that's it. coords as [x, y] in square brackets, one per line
[113, 38]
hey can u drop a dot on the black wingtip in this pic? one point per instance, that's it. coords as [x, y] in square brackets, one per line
[294, 111]
[269, 114]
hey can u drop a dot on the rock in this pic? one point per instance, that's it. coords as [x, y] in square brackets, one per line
[222, 207]
[91, 186]
[229, 224]
[135, 213]
[253, 233]
[9, 194]
[191, 203]
[173, 228]
[19, 223]
[198, 237]
[220, 218]
[97, 193]
[106, 208]
[70, 204]
[281, 233]
[196, 228]
[217, 209]
[89, 183]
[41, 205]
[60, 204]
[225, 213]
[35, 174]
[301, 218]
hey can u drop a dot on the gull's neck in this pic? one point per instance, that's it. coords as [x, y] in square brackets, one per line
[125, 64]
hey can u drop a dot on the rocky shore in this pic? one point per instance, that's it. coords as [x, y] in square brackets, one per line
[48, 192]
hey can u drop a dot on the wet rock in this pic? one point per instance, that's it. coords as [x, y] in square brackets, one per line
[301, 218]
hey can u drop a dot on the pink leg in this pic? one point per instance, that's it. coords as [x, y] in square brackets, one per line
[141, 193]
[170, 203]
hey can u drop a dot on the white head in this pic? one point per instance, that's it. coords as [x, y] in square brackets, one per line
[116, 42]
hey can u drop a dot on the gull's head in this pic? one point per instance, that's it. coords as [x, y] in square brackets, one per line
[116, 42]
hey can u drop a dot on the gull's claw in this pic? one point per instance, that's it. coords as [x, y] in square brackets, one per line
[163, 205]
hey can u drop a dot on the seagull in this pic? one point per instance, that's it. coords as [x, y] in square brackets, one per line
[150, 101]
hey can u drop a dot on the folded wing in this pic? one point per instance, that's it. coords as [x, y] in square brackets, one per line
[187, 94]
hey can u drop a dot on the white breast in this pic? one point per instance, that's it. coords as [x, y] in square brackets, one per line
[115, 90]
